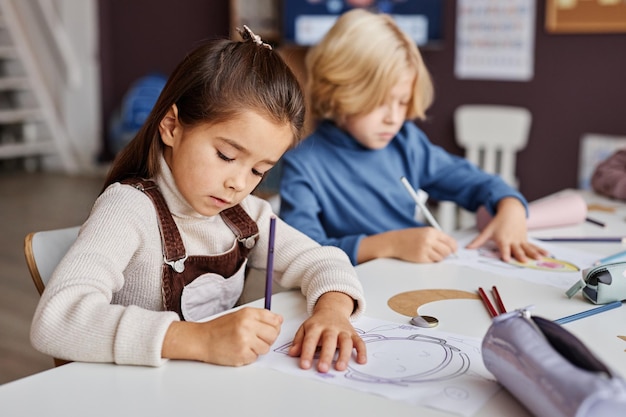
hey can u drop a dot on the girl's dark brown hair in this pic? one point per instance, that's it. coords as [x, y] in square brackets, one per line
[216, 81]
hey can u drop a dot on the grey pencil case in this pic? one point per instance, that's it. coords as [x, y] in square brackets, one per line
[549, 370]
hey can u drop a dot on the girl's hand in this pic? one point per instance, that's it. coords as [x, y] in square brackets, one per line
[329, 331]
[508, 230]
[417, 244]
[234, 339]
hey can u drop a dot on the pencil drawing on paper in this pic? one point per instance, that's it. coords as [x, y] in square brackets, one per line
[401, 364]
[405, 360]
[560, 269]
[545, 263]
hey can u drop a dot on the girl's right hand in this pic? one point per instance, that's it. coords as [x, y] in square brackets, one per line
[234, 339]
[417, 244]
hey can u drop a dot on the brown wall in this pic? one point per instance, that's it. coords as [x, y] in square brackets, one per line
[142, 36]
[578, 87]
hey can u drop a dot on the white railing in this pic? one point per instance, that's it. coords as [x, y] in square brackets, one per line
[60, 43]
[38, 59]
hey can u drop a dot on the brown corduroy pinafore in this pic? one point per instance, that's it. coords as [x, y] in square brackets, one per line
[179, 269]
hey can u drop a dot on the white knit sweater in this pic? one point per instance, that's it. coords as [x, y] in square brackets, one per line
[103, 302]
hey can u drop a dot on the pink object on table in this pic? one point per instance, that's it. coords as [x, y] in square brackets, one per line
[560, 210]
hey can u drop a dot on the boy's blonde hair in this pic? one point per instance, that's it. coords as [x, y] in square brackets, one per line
[351, 71]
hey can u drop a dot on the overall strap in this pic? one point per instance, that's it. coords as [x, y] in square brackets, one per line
[174, 253]
[242, 226]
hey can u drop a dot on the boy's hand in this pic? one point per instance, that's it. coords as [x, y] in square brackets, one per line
[508, 230]
[417, 244]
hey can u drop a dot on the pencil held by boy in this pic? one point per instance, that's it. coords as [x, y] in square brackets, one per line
[169, 239]
[366, 84]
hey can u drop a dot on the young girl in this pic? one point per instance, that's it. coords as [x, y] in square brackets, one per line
[341, 186]
[171, 234]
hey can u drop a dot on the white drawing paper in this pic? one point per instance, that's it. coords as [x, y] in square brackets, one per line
[561, 269]
[405, 363]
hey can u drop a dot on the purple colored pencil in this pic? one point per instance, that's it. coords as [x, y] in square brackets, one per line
[269, 272]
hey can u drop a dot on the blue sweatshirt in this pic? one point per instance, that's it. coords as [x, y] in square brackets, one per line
[337, 191]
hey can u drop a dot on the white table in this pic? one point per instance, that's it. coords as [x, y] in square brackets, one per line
[196, 389]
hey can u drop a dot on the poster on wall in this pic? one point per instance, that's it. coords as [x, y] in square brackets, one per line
[585, 16]
[495, 40]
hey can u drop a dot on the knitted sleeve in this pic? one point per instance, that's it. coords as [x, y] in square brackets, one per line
[117, 252]
[300, 262]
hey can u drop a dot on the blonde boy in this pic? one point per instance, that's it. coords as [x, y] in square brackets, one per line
[341, 186]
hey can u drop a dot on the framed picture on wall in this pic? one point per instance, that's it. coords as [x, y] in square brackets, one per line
[586, 16]
[261, 16]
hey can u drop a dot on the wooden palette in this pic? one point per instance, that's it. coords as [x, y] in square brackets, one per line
[408, 303]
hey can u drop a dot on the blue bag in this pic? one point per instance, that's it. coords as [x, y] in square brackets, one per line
[136, 106]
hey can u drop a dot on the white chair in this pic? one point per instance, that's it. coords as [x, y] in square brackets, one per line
[43, 251]
[491, 135]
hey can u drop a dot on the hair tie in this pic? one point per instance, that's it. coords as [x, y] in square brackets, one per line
[249, 35]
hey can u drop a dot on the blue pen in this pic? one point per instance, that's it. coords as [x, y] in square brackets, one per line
[611, 258]
[269, 272]
[582, 315]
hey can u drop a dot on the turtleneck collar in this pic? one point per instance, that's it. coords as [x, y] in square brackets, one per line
[339, 137]
[176, 203]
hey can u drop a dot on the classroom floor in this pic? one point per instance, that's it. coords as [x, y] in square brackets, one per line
[31, 202]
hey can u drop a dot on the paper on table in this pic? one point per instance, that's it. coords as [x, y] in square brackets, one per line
[555, 211]
[428, 368]
[561, 269]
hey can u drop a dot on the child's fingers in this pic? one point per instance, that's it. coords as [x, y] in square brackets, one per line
[515, 251]
[439, 246]
[268, 317]
[347, 343]
[296, 345]
[537, 251]
[478, 241]
[327, 352]
[305, 346]
[310, 344]
[267, 334]
[450, 242]
[361, 349]
[534, 252]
